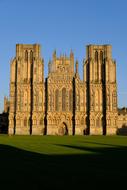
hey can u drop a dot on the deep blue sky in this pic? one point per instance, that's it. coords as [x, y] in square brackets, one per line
[64, 25]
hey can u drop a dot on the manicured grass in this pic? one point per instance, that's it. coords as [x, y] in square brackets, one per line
[51, 145]
[53, 162]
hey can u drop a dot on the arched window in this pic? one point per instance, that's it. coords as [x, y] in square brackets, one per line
[31, 56]
[97, 66]
[26, 64]
[70, 100]
[64, 99]
[57, 100]
[26, 55]
[101, 57]
[25, 122]
[96, 56]
[103, 72]
[97, 70]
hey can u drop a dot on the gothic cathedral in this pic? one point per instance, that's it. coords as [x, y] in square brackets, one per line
[63, 104]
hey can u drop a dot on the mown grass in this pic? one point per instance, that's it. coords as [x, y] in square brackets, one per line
[54, 144]
[53, 162]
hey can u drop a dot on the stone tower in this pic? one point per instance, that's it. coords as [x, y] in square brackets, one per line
[26, 114]
[101, 90]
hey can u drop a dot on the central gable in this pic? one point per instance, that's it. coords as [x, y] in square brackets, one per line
[62, 64]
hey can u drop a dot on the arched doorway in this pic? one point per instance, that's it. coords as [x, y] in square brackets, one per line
[62, 129]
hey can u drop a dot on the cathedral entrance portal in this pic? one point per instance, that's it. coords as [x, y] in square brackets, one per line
[63, 130]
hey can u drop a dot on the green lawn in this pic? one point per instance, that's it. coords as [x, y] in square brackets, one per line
[53, 162]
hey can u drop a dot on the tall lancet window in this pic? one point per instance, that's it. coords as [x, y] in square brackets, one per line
[31, 56]
[31, 61]
[101, 57]
[56, 100]
[96, 56]
[26, 65]
[101, 61]
[97, 66]
[26, 55]
[64, 99]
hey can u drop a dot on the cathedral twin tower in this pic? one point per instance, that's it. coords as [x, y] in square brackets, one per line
[63, 104]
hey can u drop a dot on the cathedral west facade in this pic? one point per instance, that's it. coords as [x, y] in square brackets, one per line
[63, 104]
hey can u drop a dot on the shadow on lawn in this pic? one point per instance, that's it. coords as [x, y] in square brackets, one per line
[103, 167]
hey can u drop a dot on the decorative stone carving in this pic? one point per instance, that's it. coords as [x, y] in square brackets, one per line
[64, 104]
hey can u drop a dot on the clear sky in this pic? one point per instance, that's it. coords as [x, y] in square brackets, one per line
[64, 25]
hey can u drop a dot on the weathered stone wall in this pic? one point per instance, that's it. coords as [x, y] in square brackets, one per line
[63, 104]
